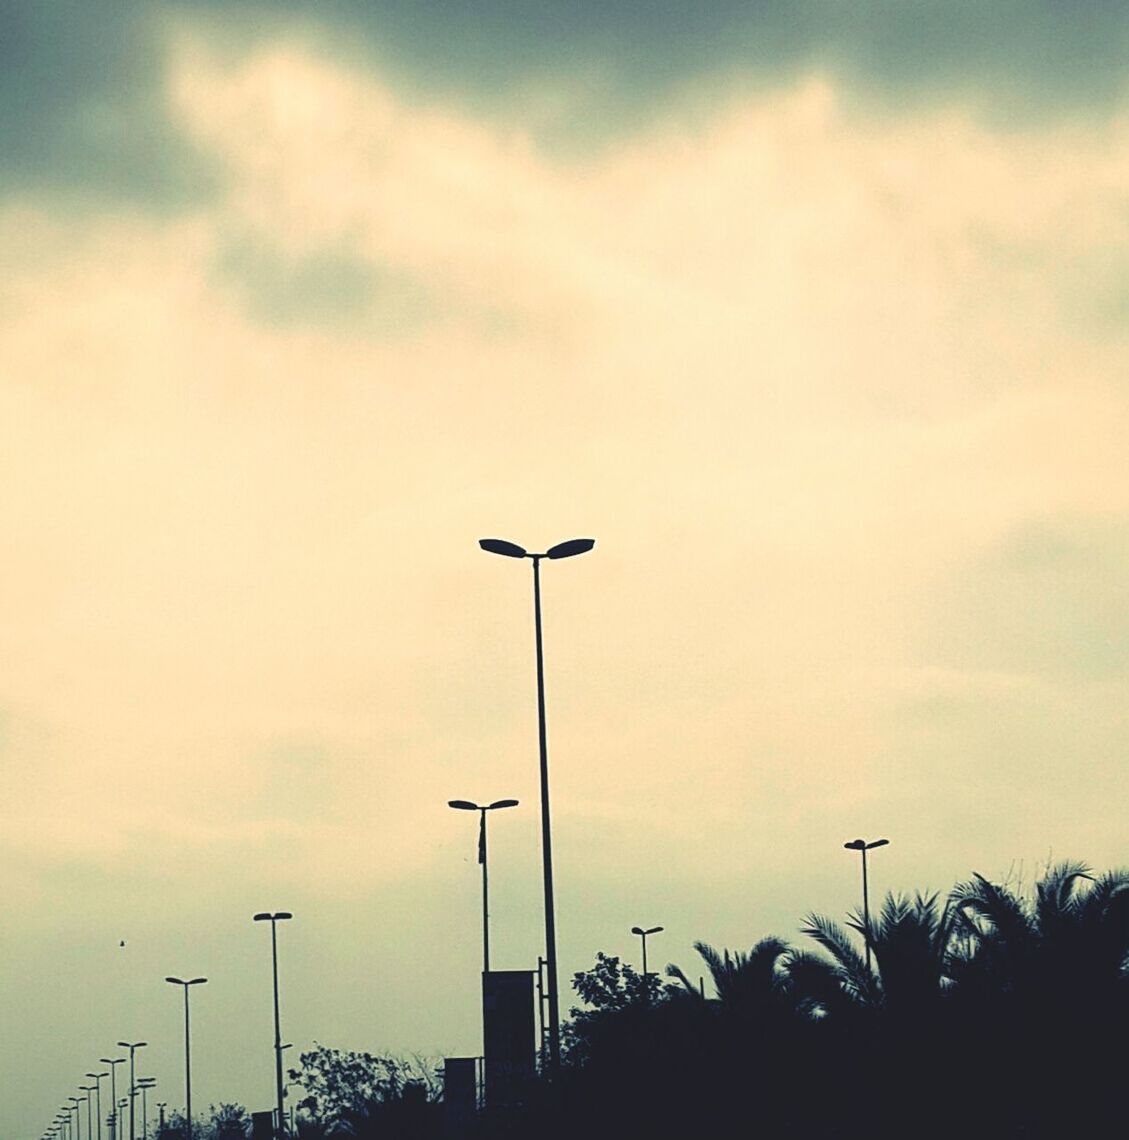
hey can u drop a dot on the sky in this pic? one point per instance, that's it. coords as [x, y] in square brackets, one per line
[813, 315]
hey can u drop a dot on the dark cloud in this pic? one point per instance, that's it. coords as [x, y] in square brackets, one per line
[81, 103]
[82, 110]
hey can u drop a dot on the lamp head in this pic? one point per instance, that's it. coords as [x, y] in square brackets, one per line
[877, 843]
[570, 548]
[501, 546]
[502, 804]
[855, 845]
[462, 805]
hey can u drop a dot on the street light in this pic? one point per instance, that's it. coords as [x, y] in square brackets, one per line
[132, 1088]
[113, 1063]
[274, 919]
[98, 1086]
[643, 938]
[863, 847]
[567, 549]
[467, 805]
[88, 1089]
[75, 1102]
[187, 1053]
[145, 1084]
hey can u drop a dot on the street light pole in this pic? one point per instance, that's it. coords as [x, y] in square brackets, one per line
[132, 1086]
[145, 1084]
[562, 550]
[274, 919]
[88, 1089]
[643, 938]
[113, 1063]
[187, 1053]
[863, 847]
[75, 1102]
[98, 1086]
[468, 805]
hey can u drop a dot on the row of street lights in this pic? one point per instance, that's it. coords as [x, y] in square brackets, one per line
[62, 1129]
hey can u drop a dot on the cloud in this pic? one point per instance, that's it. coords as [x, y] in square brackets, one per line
[833, 391]
[83, 100]
[82, 109]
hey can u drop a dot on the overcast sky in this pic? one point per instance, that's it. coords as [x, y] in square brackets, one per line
[813, 315]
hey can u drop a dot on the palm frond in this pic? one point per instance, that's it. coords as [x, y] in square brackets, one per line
[848, 961]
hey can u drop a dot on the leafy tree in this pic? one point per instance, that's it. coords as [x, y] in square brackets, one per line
[611, 987]
[225, 1121]
[350, 1090]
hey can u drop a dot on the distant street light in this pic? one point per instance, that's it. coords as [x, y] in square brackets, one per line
[145, 1084]
[98, 1087]
[113, 1062]
[88, 1089]
[861, 846]
[274, 919]
[467, 805]
[187, 1053]
[132, 1087]
[567, 549]
[75, 1102]
[643, 938]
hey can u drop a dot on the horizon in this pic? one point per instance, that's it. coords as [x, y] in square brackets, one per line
[812, 319]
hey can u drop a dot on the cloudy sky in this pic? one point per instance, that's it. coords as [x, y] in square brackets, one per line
[813, 315]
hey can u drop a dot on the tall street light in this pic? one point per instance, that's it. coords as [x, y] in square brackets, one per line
[187, 1053]
[643, 938]
[861, 846]
[132, 1047]
[98, 1093]
[567, 549]
[467, 805]
[113, 1062]
[274, 919]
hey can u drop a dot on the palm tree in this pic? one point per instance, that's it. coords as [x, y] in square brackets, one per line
[910, 943]
[1070, 939]
[743, 982]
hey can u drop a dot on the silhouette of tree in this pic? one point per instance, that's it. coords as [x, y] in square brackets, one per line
[225, 1121]
[361, 1092]
[750, 982]
[1070, 940]
[911, 943]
